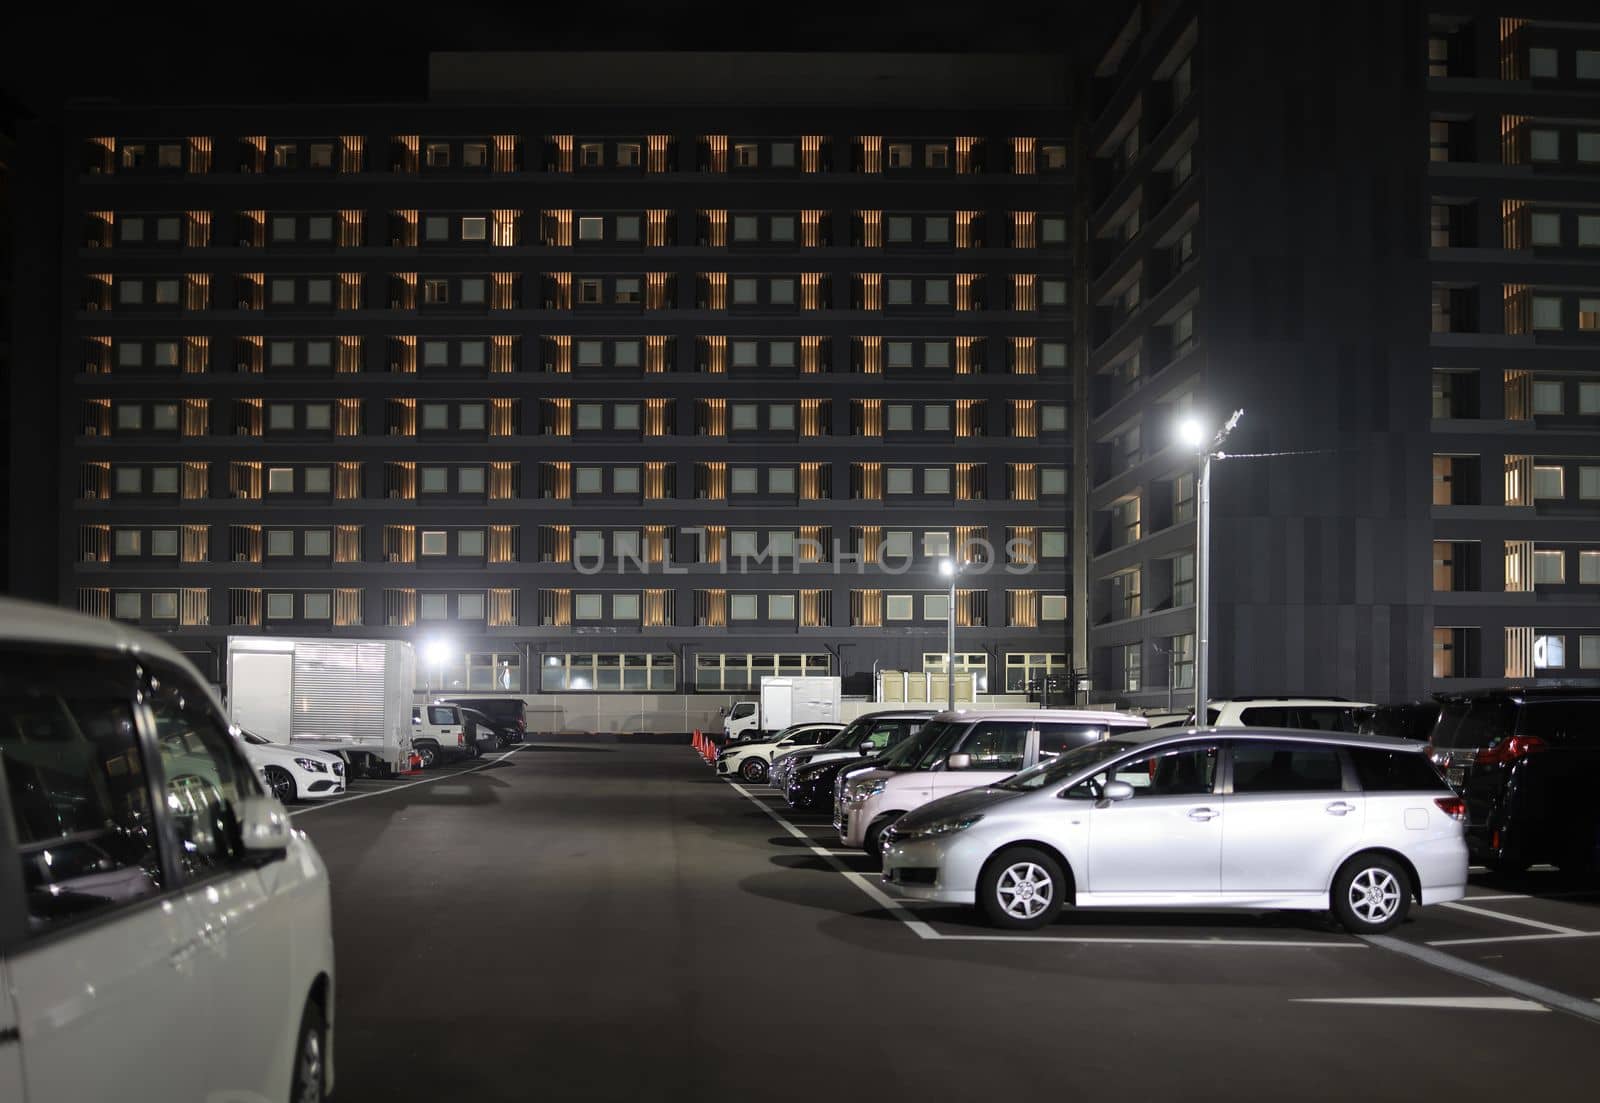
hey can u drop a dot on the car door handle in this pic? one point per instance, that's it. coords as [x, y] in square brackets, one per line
[1340, 808]
[1203, 814]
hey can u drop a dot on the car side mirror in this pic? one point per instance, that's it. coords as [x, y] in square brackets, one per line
[723, 711]
[866, 748]
[263, 826]
[958, 762]
[1113, 792]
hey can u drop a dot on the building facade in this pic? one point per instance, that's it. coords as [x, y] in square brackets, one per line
[579, 384]
[1267, 228]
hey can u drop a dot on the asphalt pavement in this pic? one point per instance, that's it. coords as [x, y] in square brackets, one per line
[612, 922]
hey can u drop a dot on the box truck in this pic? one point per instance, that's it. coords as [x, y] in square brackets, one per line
[351, 698]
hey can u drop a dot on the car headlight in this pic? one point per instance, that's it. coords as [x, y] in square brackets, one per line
[311, 765]
[937, 828]
[861, 790]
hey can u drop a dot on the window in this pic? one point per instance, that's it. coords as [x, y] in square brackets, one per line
[899, 292]
[1545, 228]
[899, 418]
[746, 227]
[1053, 607]
[475, 228]
[780, 480]
[900, 155]
[898, 229]
[317, 542]
[433, 480]
[1588, 482]
[1183, 498]
[1052, 480]
[780, 417]
[433, 606]
[280, 480]
[899, 607]
[744, 606]
[1547, 397]
[280, 542]
[1053, 231]
[935, 606]
[469, 606]
[1549, 565]
[936, 230]
[1546, 312]
[1549, 482]
[782, 155]
[1589, 314]
[744, 480]
[1187, 771]
[780, 607]
[1549, 652]
[1131, 670]
[1285, 768]
[1589, 652]
[81, 818]
[745, 416]
[899, 480]
[783, 292]
[1052, 418]
[1183, 590]
[747, 155]
[591, 229]
[936, 292]
[1544, 145]
[435, 543]
[280, 606]
[936, 418]
[627, 154]
[746, 291]
[128, 606]
[1543, 63]
[1588, 65]
[936, 480]
[1589, 146]
[1589, 229]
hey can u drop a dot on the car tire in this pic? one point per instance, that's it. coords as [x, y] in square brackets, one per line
[281, 782]
[1022, 889]
[1371, 894]
[872, 841]
[753, 770]
[428, 754]
[310, 1057]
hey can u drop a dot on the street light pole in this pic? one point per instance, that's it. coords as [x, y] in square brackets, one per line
[1193, 433]
[948, 568]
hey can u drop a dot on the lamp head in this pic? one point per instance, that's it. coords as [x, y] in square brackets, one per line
[947, 567]
[438, 651]
[1192, 433]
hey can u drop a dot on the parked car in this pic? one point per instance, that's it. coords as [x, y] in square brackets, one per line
[1411, 720]
[292, 773]
[482, 733]
[867, 735]
[148, 883]
[1526, 760]
[509, 714]
[1310, 713]
[752, 761]
[974, 748]
[438, 734]
[1362, 825]
[813, 785]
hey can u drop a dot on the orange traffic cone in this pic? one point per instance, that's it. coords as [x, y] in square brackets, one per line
[699, 745]
[413, 765]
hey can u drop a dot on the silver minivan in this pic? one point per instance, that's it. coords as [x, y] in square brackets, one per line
[1221, 818]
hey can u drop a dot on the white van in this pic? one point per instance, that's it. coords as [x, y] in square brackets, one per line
[438, 733]
[969, 750]
[147, 882]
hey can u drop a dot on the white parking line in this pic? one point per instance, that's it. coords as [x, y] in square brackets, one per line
[1456, 1003]
[1540, 924]
[1551, 998]
[1117, 940]
[408, 785]
[1484, 941]
[873, 892]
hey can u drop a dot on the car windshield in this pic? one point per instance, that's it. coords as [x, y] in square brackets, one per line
[906, 752]
[945, 736]
[1064, 765]
[248, 737]
[853, 735]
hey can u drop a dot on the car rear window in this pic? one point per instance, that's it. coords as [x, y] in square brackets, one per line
[441, 714]
[1396, 771]
[1562, 723]
[1473, 723]
[1055, 738]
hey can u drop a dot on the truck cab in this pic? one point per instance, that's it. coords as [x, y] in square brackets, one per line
[741, 719]
[438, 733]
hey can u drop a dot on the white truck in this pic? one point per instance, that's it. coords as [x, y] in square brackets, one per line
[351, 698]
[785, 701]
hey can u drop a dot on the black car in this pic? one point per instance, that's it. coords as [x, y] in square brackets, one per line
[508, 715]
[1411, 720]
[1527, 760]
[811, 786]
[481, 733]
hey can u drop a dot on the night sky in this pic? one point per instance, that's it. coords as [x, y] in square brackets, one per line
[293, 50]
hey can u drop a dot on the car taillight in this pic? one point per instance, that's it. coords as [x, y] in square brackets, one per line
[461, 739]
[522, 725]
[1454, 807]
[1504, 751]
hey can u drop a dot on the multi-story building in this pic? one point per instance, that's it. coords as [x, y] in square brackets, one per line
[1275, 194]
[649, 372]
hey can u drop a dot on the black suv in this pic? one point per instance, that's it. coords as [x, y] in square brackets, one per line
[508, 715]
[1527, 760]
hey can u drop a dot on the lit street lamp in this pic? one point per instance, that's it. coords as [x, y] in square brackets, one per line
[1193, 433]
[951, 570]
[434, 655]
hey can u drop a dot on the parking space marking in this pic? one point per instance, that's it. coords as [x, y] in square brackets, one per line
[1540, 924]
[1459, 1003]
[1485, 940]
[408, 785]
[1117, 940]
[1558, 1001]
[877, 895]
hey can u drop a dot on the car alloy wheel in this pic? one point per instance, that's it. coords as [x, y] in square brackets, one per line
[428, 756]
[1371, 894]
[1022, 888]
[753, 769]
[309, 1074]
[281, 782]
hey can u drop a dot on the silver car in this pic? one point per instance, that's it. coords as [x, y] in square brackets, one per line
[1221, 818]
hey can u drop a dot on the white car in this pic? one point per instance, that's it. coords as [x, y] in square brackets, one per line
[155, 902]
[865, 736]
[753, 760]
[971, 749]
[438, 734]
[292, 773]
[1332, 714]
[1201, 818]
